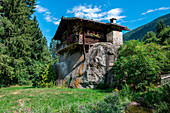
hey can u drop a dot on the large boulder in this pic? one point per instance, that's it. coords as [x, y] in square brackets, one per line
[90, 69]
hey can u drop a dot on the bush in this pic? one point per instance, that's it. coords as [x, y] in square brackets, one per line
[45, 77]
[157, 98]
[48, 77]
[139, 65]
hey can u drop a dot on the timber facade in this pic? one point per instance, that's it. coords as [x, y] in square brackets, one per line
[86, 32]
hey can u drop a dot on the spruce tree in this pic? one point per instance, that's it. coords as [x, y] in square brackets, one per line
[22, 40]
[53, 47]
[159, 27]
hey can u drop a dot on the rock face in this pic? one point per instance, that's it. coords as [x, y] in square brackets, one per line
[89, 70]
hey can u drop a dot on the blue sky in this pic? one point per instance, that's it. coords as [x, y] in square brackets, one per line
[130, 13]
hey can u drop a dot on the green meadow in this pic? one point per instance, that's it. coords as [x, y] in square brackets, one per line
[29, 99]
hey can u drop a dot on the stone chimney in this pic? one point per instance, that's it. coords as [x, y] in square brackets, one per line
[113, 20]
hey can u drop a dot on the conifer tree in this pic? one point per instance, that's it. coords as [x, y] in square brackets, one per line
[53, 46]
[22, 42]
[159, 27]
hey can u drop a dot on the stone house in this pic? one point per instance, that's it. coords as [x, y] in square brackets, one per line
[87, 50]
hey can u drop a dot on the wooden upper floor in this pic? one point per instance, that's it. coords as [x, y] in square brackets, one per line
[83, 31]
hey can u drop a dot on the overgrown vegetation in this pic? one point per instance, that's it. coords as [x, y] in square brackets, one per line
[155, 98]
[139, 65]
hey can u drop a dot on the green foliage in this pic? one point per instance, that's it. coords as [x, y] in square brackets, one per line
[21, 42]
[53, 50]
[46, 79]
[37, 70]
[150, 37]
[53, 47]
[157, 98]
[115, 102]
[159, 27]
[139, 65]
[164, 36]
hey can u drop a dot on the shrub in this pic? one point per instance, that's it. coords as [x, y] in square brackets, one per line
[48, 77]
[157, 98]
[45, 77]
[139, 65]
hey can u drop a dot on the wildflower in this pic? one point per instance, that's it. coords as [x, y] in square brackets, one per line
[22, 104]
[81, 107]
[116, 90]
[29, 109]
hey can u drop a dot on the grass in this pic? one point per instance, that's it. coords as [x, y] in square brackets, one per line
[30, 99]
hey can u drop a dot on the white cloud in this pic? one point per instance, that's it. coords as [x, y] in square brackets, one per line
[48, 18]
[158, 9]
[136, 20]
[41, 9]
[85, 9]
[95, 12]
[56, 22]
[132, 20]
[37, 2]
[55, 18]
[47, 15]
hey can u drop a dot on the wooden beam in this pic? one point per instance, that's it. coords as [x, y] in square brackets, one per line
[84, 49]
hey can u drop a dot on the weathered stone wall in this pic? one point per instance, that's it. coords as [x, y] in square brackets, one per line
[65, 65]
[115, 37]
[88, 72]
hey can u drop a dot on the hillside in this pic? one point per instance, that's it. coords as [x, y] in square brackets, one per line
[139, 32]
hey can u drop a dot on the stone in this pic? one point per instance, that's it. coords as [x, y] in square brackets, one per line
[88, 71]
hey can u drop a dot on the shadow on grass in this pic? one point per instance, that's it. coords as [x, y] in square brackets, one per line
[17, 87]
